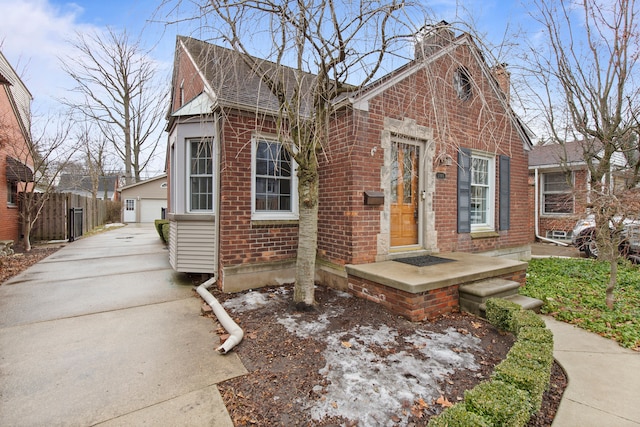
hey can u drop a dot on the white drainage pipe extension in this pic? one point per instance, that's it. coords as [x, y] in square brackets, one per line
[235, 332]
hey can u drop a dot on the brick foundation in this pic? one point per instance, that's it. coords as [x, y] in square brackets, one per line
[416, 306]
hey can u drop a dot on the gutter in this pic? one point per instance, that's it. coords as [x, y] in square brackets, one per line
[235, 332]
[537, 213]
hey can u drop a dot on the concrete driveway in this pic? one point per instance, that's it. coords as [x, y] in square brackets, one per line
[103, 332]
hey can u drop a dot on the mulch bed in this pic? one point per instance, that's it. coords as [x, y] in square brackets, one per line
[284, 369]
[13, 265]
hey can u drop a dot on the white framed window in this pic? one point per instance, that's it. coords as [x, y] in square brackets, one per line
[483, 187]
[274, 186]
[557, 193]
[200, 175]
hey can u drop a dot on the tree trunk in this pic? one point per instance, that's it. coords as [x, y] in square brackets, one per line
[613, 278]
[303, 293]
[26, 224]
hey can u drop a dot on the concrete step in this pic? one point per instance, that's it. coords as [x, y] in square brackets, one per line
[473, 296]
[523, 301]
[490, 288]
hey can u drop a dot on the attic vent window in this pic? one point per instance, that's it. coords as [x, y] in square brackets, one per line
[462, 83]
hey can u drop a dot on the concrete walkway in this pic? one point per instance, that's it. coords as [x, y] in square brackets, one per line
[103, 332]
[604, 379]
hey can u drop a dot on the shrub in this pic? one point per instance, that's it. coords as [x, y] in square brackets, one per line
[165, 233]
[532, 379]
[525, 318]
[458, 416]
[532, 354]
[500, 403]
[535, 335]
[160, 225]
[500, 313]
[113, 211]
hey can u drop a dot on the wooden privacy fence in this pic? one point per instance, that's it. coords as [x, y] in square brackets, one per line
[53, 223]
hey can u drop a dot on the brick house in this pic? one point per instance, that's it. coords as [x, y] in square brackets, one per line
[428, 159]
[559, 187]
[16, 164]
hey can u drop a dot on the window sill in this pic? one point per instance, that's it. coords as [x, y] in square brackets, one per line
[268, 222]
[484, 234]
[557, 215]
[191, 217]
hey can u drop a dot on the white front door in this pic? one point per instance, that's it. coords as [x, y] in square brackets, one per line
[129, 210]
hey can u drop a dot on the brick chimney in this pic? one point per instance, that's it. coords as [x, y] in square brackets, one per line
[432, 38]
[503, 77]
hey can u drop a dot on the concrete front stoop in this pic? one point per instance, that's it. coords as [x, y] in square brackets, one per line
[473, 296]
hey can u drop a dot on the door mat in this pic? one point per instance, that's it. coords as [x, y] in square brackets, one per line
[424, 260]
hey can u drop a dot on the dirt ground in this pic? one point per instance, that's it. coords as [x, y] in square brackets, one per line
[352, 363]
[20, 261]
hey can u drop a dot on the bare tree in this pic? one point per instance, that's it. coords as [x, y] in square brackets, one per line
[319, 49]
[586, 80]
[48, 150]
[116, 80]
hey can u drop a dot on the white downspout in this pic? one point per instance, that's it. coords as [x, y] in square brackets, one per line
[236, 333]
[537, 212]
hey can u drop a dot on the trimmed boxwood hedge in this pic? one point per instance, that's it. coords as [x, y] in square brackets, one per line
[500, 313]
[162, 227]
[501, 403]
[458, 416]
[518, 383]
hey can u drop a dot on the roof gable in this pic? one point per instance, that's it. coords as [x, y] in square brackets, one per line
[230, 81]
[19, 96]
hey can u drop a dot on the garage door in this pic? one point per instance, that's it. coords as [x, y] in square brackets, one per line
[151, 209]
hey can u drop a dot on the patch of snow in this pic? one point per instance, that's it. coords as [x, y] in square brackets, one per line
[374, 388]
[248, 301]
[304, 328]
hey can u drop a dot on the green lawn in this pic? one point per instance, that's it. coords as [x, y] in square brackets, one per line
[573, 290]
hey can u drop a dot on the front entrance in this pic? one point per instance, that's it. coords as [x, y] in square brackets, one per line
[405, 159]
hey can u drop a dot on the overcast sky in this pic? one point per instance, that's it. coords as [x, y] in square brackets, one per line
[34, 33]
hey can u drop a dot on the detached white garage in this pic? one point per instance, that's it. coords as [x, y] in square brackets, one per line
[144, 201]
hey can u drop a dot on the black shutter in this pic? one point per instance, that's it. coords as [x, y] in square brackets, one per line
[505, 192]
[464, 190]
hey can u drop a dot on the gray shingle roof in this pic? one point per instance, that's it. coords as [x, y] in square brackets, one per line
[234, 83]
[557, 154]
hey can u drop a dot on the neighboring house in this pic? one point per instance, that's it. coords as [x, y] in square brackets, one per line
[560, 187]
[392, 182]
[144, 201]
[16, 163]
[82, 185]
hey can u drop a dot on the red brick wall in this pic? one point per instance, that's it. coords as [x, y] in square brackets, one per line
[348, 228]
[419, 306]
[189, 78]
[241, 240]
[12, 143]
[415, 307]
